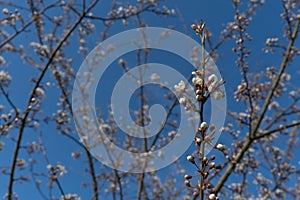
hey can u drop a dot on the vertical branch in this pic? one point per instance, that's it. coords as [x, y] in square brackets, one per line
[201, 98]
[202, 38]
[141, 181]
[93, 176]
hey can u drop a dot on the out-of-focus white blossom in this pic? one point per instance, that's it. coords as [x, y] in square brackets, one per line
[105, 127]
[4, 117]
[35, 124]
[2, 61]
[40, 93]
[273, 105]
[49, 166]
[70, 197]
[212, 78]
[122, 62]
[5, 11]
[155, 77]
[182, 101]
[75, 155]
[218, 94]
[38, 45]
[180, 87]
[292, 93]
[212, 197]
[8, 47]
[125, 22]
[5, 78]
[171, 134]
[286, 77]
[271, 41]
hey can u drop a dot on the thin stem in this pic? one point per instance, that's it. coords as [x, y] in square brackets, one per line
[201, 113]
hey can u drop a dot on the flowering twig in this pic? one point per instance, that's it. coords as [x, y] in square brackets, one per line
[252, 135]
[29, 105]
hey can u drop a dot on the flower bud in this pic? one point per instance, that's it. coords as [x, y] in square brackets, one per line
[5, 11]
[182, 101]
[122, 62]
[194, 26]
[205, 175]
[191, 159]
[187, 176]
[203, 126]
[220, 147]
[209, 186]
[196, 194]
[219, 167]
[212, 197]
[212, 78]
[211, 165]
[197, 141]
[187, 183]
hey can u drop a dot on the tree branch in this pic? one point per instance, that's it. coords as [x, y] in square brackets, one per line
[250, 139]
[29, 104]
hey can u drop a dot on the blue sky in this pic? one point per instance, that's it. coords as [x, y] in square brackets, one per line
[266, 23]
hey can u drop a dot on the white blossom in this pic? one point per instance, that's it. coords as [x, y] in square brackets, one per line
[49, 166]
[155, 77]
[203, 126]
[182, 101]
[197, 80]
[271, 41]
[292, 93]
[121, 62]
[40, 93]
[105, 127]
[62, 170]
[212, 78]
[5, 78]
[70, 197]
[190, 159]
[180, 87]
[211, 165]
[212, 197]
[5, 11]
[2, 61]
[220, 147]
[218, 94]
[273, 105]
[75, 155]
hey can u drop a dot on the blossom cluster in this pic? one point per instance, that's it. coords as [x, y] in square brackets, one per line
[203, 89]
